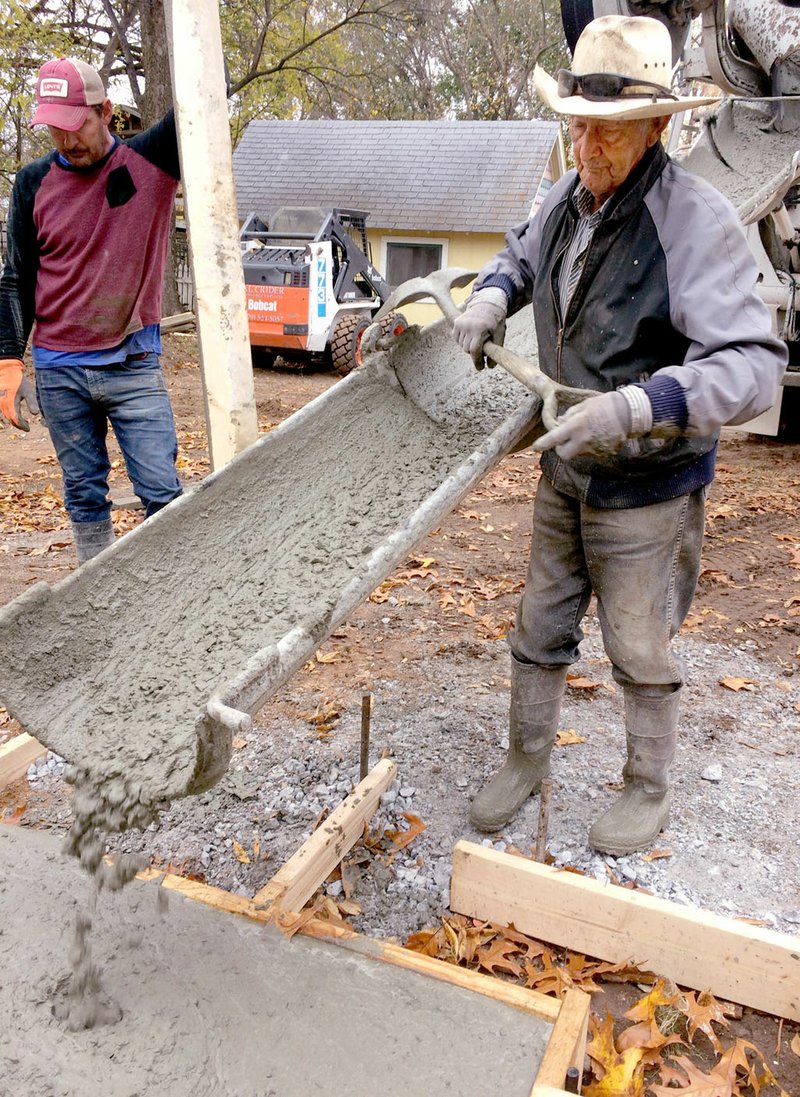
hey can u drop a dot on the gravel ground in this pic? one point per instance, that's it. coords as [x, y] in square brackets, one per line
[732, 835]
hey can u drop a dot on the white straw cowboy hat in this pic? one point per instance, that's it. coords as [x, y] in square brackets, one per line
[621, 68]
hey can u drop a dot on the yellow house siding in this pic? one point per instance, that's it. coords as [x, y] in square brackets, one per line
[460, 249]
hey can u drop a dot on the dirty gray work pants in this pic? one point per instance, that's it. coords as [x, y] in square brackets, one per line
[642, 564]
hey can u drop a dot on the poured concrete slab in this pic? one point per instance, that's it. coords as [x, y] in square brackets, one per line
[215, 1004]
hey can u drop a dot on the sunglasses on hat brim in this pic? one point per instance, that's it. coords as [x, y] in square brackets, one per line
[600, 86]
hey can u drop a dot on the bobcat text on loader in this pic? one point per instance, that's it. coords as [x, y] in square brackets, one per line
[311, 288]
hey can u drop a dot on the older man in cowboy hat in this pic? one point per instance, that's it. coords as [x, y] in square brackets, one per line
[643, 290]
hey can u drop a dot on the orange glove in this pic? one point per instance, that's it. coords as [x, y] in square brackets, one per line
[13, 390]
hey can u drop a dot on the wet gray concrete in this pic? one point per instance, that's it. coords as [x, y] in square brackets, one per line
[214, 1004]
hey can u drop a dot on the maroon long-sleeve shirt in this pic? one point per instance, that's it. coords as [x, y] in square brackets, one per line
[86, 247]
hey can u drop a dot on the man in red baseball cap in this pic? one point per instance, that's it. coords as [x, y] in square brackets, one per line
[65, 92]
[72, 103]
[87, 236]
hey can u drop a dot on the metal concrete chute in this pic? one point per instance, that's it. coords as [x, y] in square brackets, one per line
[148, 659]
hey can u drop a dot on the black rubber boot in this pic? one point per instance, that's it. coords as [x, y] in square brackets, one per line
[536, 694]
[92, 537]
[636, 818]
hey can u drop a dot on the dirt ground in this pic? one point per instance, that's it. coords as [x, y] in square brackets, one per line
[433, 636]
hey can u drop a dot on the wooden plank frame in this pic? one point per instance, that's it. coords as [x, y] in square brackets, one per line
[293, 885]
[738, 961]
[16, 755]
[569, 1018]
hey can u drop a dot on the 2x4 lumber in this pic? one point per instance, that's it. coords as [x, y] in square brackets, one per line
[204, 143]
[567, 1044]
[521, 998]
[16, 755]
[748, 964]
[293, 885]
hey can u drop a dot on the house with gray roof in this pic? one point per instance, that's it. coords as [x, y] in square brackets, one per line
[438, 194]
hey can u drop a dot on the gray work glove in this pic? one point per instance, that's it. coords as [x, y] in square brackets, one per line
[27, 392]
[482, 319]
[600, 425]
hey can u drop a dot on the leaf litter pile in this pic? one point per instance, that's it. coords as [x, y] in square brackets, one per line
[675, 1043]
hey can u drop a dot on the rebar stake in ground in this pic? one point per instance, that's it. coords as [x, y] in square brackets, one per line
[366, 709]
[545, 792]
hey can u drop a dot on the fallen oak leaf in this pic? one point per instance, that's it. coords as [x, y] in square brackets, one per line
[696, 1084]
[660, 1001]
[498, 956]
[425, 941]
[737, 684]
[578, 682]
[657, 854]
[702, 1012]
[620, 1074]
[568, 738]
[242, 856]
[402, 838]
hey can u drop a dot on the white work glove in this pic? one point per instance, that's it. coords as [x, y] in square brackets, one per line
[484, 315]
[600, 425]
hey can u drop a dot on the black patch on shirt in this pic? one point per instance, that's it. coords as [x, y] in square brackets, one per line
[120, 187]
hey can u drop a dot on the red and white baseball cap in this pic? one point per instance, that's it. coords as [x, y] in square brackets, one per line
[65, 91]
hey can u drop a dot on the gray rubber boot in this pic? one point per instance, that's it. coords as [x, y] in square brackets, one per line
[641, 812]
[536, 694]
[92, 537]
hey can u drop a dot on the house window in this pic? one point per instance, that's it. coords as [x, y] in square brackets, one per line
[406, 259]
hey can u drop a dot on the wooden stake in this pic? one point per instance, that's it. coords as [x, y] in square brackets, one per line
[16, 755]
[545, 793]
[294, 884]
[366, 710]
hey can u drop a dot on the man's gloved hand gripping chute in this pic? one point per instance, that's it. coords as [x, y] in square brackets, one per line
[14, 388]
[600, 424]
[482, 319]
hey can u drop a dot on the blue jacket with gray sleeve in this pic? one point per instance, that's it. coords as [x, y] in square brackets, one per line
[666, 300]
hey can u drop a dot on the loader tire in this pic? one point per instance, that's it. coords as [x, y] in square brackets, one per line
[346, 342]
[262, 357]
[394, 323]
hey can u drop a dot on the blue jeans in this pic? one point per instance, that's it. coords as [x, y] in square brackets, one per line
[78, 404]
[642, 564]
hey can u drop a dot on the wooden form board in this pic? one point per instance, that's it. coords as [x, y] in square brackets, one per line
[695, 948]
[16, 755]
[293, 885]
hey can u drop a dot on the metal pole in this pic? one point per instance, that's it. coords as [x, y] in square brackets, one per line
[366, 709]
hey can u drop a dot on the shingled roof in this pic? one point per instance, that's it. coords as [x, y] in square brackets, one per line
[438, 176]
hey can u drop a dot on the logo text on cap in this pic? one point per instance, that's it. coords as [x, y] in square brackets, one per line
[56, 89]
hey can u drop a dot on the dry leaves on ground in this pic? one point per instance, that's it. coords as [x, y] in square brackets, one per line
[657, 1054]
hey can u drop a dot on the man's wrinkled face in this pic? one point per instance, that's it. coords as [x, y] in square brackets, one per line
[607, 152]
[90, 143]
